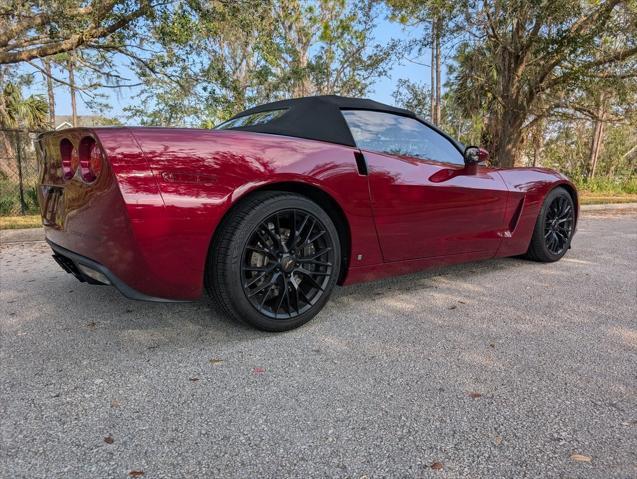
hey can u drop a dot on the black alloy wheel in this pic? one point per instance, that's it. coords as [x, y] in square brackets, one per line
[554, 227]
[274, 261]
[558, 225]
[287, 263]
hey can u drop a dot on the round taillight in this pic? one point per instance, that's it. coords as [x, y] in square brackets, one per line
[90, 159]
[66, 155]
[95, 161]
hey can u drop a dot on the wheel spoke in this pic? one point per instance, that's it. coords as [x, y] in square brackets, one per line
[265, 296]
[282, 295]
[316, 255]
[256, 291]
[312, 261]
[309, 276]
[308, 272]
[293, 233]
[300, 230]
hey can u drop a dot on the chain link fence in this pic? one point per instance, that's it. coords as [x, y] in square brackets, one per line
[18, 172]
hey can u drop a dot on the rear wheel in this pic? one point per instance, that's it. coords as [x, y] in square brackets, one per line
[275, 261]
[554, 227]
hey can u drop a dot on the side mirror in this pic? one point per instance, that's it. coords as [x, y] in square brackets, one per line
[473, 155]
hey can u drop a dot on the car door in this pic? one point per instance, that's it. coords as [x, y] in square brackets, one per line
[425, 202]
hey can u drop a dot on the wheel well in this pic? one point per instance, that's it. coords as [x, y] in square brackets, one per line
[320, 197]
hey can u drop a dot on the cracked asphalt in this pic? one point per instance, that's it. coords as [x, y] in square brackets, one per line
[502, 368]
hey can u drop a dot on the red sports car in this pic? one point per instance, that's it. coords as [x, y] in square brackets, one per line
[273, 208]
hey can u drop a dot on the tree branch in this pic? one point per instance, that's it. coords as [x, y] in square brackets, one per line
[76, 40]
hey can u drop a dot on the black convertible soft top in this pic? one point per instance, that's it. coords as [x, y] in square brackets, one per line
[315, 117]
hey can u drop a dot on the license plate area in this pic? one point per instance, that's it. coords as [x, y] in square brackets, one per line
[52, 206]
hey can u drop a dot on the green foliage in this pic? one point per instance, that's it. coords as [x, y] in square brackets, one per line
[413, 96]
[10, 198]
[32, 29]
[218, 58]
[608, 186]
[19, 112]
[568, 145]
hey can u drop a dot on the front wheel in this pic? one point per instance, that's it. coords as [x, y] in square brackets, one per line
[275, 261]
[554, 227]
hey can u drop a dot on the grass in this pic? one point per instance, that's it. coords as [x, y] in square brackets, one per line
[588, 198]
[19, 222]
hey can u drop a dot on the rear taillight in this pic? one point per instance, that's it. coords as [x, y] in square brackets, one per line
[90, 159]
[87, 157]
[95, 161]
[66, 153]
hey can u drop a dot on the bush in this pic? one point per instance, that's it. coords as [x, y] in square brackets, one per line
[610, 186]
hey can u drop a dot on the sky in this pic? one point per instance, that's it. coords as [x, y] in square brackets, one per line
[381, 91]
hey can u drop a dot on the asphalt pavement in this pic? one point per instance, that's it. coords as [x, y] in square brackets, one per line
[502, 368]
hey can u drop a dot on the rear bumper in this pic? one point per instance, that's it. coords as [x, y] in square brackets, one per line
[92, 272]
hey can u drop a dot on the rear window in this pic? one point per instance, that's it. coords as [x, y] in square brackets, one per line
[259, 118]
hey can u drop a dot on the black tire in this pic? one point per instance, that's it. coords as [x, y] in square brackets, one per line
[554, 227]
[257, 250]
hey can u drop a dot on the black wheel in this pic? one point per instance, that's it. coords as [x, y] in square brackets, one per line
[275, 261]
[554, 227]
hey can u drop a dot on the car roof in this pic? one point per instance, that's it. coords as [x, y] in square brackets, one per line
[316, 117]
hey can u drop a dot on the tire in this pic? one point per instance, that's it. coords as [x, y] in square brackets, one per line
[263, 272]
[554, 228]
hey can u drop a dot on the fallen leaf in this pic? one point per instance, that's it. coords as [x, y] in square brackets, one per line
[193, 379]
[258, 370]
[437, 466]
[581, 458]
[136, 473]
[215, 361]
[109, 439]
[474, 394]
[498, 440]
[453, 307]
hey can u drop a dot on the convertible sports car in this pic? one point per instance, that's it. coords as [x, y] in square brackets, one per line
[273, 208]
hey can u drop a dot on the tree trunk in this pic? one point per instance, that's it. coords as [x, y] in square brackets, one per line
[70, 67]
[506, 133]
[438, 30]
[432, 97]
[598, 138]
[49, 88]
[538, 143]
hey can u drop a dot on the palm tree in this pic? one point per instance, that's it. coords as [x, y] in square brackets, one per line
[17, 112]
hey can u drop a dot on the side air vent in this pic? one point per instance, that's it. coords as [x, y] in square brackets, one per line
[361, 164]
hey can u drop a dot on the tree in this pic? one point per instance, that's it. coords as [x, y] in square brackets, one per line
[413, 96]
[34, 29]
[216, 59]
[17, 112]
[435, 17]
[521, 58]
